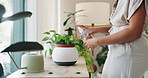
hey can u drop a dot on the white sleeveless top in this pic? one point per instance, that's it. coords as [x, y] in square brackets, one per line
[124, 11]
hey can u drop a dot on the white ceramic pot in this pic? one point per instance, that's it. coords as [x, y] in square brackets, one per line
[65, 56]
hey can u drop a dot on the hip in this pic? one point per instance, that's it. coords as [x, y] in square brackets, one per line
[129, 48]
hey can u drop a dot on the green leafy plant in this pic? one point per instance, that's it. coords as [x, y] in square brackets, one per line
[102, 55]
[70, 20]
[146, 31]
[54, 38]
[51, 36]
[83, 51]
[50, 39]
[70, 16]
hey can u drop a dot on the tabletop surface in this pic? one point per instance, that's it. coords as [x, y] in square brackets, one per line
[51, 70]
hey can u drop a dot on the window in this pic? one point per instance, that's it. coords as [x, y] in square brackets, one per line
[5, 36]
[11, 32]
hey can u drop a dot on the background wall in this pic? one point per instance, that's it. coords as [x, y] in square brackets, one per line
[44, 17]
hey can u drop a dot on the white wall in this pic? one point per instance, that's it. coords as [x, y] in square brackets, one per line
[44, 17]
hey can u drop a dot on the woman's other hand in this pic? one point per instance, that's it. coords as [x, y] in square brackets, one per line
[91, 43]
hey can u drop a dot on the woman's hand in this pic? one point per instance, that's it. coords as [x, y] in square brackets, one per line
[88, 31]
[91, 43]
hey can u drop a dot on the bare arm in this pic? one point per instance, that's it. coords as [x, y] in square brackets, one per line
[95, 30]
[102, 30]
[133, 32]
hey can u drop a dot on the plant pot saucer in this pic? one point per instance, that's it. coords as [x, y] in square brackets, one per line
[65, 63]
[65, 45]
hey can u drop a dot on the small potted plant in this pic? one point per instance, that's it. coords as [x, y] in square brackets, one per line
[64, 52]
[70, 38]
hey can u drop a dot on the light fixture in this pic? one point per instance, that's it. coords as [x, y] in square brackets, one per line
[14, 17]
[94, 14]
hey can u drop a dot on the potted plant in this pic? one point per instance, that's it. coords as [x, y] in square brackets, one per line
[83, 51]
[65, 53]
[70, 38]
[50, 38]
[63, 43]
[101, 57]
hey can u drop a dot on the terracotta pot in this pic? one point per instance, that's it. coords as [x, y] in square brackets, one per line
[65, 45]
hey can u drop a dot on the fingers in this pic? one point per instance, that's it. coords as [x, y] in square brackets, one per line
[91, 43]
[89, 46]
[83, 27]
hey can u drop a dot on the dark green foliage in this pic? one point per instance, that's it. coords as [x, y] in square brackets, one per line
[56, 38]
[146, 31]
[1, 71]
[65, 22]
[70, 19]
[102, 55]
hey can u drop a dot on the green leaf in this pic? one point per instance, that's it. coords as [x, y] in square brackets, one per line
[65, 22]
[78, 11]
[78, 48]
[49, 42]
[67, 39]
[146, 31]
[47, 33]
[59, 38]
[45, 38]
[53, 31]
[50, 51]
[75, 42]
[70, 14]
[45, 53]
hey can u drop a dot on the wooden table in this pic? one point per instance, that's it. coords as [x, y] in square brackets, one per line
[52, 70]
